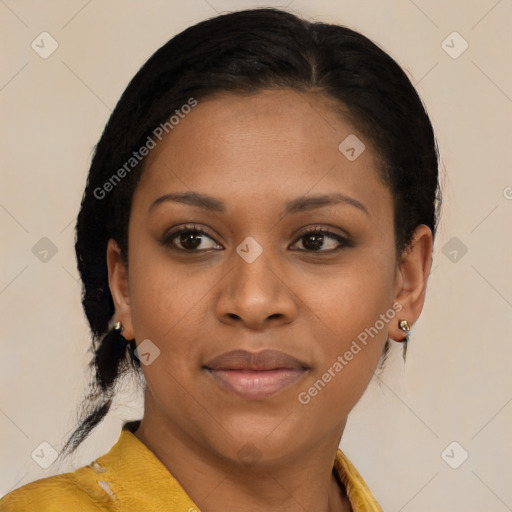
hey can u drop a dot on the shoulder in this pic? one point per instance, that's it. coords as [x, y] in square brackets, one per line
[360, 496]
[60, 493]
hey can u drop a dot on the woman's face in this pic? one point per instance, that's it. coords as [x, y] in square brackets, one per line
[255, 173]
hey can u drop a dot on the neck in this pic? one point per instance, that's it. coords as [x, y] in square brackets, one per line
[303, 480]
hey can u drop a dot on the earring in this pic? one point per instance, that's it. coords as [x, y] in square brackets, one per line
[117, 333]
[404, 326]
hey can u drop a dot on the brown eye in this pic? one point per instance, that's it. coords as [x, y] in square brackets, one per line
[190, 239]
[322, 241]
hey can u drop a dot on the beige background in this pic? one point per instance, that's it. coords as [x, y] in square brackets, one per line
[457, 385]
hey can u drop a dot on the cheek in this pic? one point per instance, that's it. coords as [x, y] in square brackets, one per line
[357, 303]
[168, 304]
[160, 301]
[354, 312]
[350, 297]
[348, 359]
[161, 292]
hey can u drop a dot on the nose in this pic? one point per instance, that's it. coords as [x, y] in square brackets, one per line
[256, 294]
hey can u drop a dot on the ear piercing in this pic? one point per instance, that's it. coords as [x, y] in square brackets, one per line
[404, 326]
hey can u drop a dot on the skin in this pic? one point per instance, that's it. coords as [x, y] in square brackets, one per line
[255, 153]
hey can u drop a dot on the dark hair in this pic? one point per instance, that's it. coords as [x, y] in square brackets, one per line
[244, 52]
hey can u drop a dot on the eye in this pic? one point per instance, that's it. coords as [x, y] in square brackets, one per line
[189, 239]
[322, 240]
[193, 239]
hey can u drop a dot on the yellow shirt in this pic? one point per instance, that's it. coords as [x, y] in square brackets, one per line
[130, 478]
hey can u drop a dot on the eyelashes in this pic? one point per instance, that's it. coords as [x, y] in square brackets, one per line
[182, 233]
[318, 235]
[190, 239]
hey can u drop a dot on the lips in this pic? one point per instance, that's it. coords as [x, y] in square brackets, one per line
[264, 360]
[255, 375]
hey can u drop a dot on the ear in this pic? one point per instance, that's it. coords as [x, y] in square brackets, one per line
[412, 276]
[118, 283]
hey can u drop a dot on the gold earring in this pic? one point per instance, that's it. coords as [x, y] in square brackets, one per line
[404, 326]
[118, 326]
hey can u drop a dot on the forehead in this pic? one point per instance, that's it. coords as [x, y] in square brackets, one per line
[272, 144]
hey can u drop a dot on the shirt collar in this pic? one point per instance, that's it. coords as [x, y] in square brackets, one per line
[132, 476]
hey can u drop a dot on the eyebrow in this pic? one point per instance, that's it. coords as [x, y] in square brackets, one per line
[296, 205]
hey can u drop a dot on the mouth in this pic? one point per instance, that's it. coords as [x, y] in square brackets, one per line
[256, 384]
[255, 375]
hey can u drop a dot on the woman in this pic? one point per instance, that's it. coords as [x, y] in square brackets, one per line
[256, 227]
